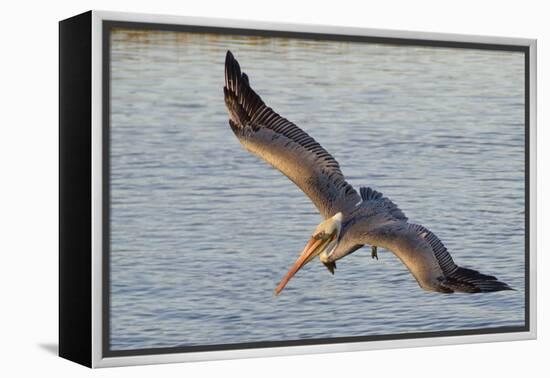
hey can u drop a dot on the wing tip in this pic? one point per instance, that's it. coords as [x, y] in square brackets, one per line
[232, 71]
[472, 281]
[240, 99]
[229, 56]
[229, 59]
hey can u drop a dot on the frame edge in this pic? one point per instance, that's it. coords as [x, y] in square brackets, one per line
[75, 305]
[100, 361]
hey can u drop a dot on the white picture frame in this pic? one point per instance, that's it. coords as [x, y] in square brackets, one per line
[82, 278]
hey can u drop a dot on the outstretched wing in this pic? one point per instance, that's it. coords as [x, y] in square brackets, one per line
[284, 145]
[424, 255]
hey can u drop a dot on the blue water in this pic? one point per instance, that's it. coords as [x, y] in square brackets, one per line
[202, 231]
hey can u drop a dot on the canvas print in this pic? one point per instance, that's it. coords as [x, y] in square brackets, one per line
[268, 189]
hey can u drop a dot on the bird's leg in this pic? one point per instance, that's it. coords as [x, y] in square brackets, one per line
[374, 252]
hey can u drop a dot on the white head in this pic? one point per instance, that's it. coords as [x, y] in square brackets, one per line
[322, 242]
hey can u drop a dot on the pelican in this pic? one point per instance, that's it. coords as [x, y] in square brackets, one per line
[351, 219]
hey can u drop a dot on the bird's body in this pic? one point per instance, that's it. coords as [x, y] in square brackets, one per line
[352, 219]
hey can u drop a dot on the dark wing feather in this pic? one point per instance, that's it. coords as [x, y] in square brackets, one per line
[375, 203]
[455, 277]
[284, 145]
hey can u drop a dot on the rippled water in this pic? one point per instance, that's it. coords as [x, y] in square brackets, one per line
[202, 231]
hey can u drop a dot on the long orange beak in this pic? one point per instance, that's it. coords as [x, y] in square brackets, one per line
[313, 248]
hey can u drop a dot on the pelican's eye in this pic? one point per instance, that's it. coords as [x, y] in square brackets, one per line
[323, 235]
[320, 235]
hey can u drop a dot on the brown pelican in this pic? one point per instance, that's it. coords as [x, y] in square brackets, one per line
[352, 220]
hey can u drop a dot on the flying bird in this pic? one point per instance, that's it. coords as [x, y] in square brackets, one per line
[351, 219]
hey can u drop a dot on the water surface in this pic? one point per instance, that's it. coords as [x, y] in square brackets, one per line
[202, 231]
